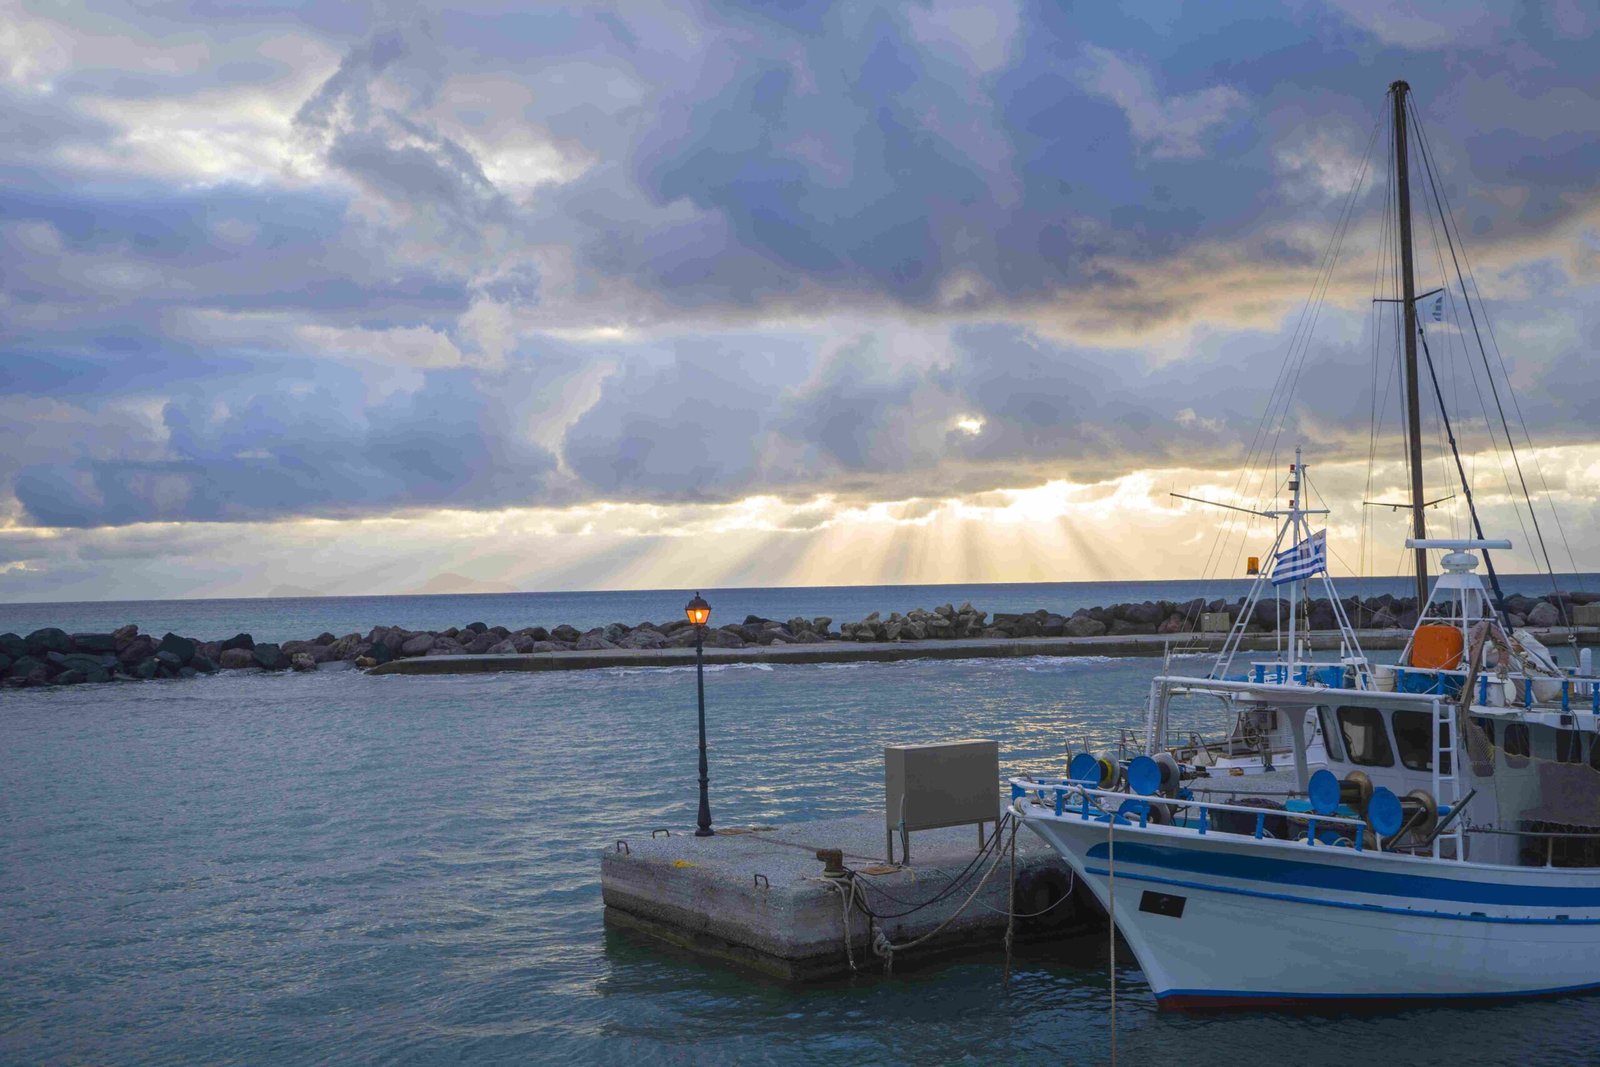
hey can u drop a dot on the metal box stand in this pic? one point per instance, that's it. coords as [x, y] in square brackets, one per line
[951, 783]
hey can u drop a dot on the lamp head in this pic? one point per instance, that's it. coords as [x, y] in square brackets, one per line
[698, 611]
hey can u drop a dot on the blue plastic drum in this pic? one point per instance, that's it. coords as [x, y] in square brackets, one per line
[1084, 769]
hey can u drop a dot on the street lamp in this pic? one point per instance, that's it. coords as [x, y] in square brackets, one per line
[699, 613]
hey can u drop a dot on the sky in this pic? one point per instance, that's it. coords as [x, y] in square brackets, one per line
[389, 297]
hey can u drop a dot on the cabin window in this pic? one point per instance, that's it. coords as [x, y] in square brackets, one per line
[1517, 744]
[1569, 746]
[1330, 736]
[1411, 737]
[1365, 739]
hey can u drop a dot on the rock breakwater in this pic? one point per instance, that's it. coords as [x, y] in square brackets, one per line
[51, 656]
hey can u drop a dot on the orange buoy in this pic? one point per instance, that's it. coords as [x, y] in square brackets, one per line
[1436, 647]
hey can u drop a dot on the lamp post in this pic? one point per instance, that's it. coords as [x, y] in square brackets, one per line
[699, 613]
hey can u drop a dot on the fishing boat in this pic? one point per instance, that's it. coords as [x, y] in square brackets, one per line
[1448, 846]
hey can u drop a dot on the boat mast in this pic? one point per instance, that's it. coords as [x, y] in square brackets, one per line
[1408, 297]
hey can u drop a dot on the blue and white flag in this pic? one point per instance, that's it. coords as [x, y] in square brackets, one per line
[1438, 308]
[1301, 561]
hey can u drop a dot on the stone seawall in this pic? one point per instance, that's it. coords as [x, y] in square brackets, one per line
[51, 656]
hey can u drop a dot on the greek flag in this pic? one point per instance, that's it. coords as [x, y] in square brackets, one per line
[1438, 308]
[1301, 561]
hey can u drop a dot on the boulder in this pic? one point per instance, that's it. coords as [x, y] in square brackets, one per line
[5, 663]
[548, 646]
[723, 639]
[294, 648]
[95, 642]
[1053, 626]
[506, 647]
[1123, 626]
[644, 638]
[147, 668]
[418, 644]
[1173, 624]
[1544, 614]
[821, 623]
[244, 641]
[564, 633]
[169, 660]
[366, 662]
[181, 647]
[483, 642]
[13, 646]
[24, 665]
[446, 646]
[302, 661]
[1084, 626]
[203, 665]
[538, 633]
[615, 632]
[99, 674]
[593, 643]
[478, 627]
[325, 638]
[270, 657]
[49, 639]
[141, 647]
[70, 678]
[1145, 614]
[380, 653]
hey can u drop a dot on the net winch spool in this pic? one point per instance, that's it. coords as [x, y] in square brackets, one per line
[1356, 792]
[1325, 792]
[1422, 811]
[1144, 776]
[1384, 812]
[1171, 773]
[1088, 768]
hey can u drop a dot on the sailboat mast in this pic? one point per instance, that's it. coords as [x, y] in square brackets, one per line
[1408, 298]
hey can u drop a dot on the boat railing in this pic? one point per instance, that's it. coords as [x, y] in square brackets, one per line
[1570, 693]
[1137, 808]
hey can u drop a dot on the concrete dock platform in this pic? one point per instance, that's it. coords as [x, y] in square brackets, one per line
[756, 897]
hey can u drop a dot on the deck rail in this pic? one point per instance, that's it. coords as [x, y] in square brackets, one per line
[1131, 807]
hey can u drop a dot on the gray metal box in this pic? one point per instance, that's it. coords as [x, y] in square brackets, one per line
[951, 783]
[1215, 622]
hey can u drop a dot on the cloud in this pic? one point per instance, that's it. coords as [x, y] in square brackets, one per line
[1169, 128]
[275, 262]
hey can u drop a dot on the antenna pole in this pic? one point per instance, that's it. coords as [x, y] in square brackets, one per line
[1408, 302]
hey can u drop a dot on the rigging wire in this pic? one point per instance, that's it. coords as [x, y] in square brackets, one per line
[1441, 204]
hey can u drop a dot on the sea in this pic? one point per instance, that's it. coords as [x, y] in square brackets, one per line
[339, 868]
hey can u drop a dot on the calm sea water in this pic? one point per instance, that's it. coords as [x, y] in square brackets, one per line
[291, 618]
[340, 868]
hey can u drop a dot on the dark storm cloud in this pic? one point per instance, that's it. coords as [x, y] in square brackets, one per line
[209, 281]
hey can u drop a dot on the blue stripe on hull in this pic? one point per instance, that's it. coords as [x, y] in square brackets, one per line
[1420, 913]
[1344, 877]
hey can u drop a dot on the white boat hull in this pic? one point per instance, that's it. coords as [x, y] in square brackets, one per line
[1247, 923]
